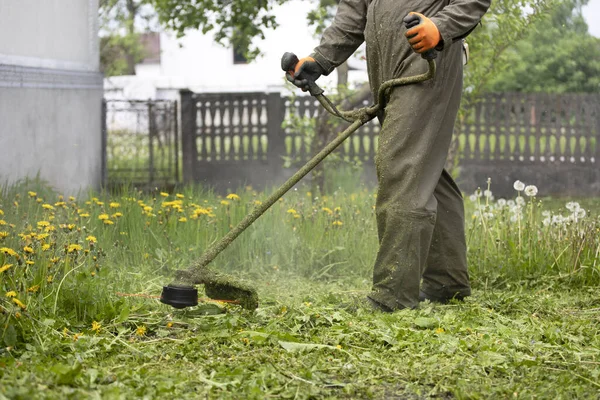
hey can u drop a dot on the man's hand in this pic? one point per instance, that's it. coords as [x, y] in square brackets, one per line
[306, 70]
[424, 36]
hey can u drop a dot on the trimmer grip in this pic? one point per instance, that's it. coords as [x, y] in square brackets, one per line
[412, 20]
[289, 61]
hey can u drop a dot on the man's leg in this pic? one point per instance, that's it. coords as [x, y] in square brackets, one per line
[446, 274]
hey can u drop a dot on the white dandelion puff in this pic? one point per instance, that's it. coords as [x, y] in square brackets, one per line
[546, 221]
[487, 193]
[520, 201]
[531, 190]
[473, 198]
[501, 202]
[579, 213]
[519, 186]
[510, 203]
[572, 206]
[546, 213]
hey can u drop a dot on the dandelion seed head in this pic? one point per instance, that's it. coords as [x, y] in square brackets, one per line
[531, 190]
[473, 198]
[572, 206]
[487, 193]
[501, 202]
[519, 186]
[520, 201]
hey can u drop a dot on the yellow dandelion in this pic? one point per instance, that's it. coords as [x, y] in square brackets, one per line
[39, 200]
[29, 262]
[77, 336]
[117, 215]
[439, 330]
[34, 289]
[1, 212]
[47, 206]
[291, 211]
[8, 251]
[5, 268]
[182, 219]
[55, 260]
[17, 315]
[141, 330]
[147, 209]
[338, 223]
[71, 198]
[19, 303]
[296, 216]
[71, 226]
[100, 203]
[108, 222]
[2, 222]
[163, 194]
[28, 250]
[4, 235]
[49, 278]
[337, 209]
[84, 215]
[46, 247]
[103, 217]
[308, 194]
[169, 324]
[114, 204]
[91, 239]
[42, 236]
[257, 202]
[32, 194]
[50, 228]
[60, 204]
[339, 346]
[224, 202]
[73, 248]
[96, 326]
[233, 196]
[327, 210]
[10, 294]
[179, 196]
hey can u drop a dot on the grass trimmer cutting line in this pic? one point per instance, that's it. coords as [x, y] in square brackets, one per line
[181, 293]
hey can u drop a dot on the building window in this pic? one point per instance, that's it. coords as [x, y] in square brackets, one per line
[238, 56]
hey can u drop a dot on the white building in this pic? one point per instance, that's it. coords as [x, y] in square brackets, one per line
[50, 93]
[198, 63]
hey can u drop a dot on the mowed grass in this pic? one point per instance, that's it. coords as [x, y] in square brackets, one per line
[530, 329]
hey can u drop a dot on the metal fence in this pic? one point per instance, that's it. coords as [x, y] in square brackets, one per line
[232, 139]
[141, 143]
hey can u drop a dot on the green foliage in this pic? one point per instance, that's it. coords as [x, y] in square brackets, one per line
[237, 22]
[531, 327]
[557, 55]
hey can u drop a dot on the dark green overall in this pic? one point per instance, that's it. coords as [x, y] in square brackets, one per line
[420, 212]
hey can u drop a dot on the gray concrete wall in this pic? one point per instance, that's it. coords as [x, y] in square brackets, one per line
[50, 93]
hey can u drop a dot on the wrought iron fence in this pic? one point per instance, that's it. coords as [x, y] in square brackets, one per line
[142, 146]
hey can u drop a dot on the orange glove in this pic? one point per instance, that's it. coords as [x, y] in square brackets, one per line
[305, 71]
[424, 36]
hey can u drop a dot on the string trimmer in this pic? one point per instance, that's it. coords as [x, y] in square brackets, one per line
[182, 293]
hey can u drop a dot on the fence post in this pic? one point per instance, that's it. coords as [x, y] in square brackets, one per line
[275, 133]
[104, 144]
[188, 135]
[151, 135]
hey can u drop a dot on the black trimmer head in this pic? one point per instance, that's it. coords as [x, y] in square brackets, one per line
[179, 297]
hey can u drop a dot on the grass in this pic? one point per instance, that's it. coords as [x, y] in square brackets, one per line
[530, 329]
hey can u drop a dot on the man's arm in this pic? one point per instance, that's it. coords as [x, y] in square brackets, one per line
[458, 19]
[342, 38]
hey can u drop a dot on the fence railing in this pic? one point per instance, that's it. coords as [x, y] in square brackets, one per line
[230, 139]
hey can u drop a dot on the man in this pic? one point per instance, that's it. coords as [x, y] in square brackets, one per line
[420, 213]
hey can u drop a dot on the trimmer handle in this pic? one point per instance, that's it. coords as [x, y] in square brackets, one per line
[412, 20]
[288, 64]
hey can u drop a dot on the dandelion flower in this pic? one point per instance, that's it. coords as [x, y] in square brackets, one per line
[34, 289]
[49, 278]
[233, 196]
[519, 186]
[8, 251]
[4, 234]
[32, 194]
[28, 250]
[257, 202]
[103, 217]
[519, 201]
[114, 205]
[10, 294]
[5, 268]
[91, 239]
[2, 222]
[327, 210]
[140, 331]
[182, 219]
[487, 193]
[579, 213]
[73, 248]
[169, 324]
[572, 206]
[163, 194]
[108, 222]
[291, 211]
[478, 192]
[48, 206]
[501, 202]
[46, 247]
[473, 198]
[43, 224]
[439, 330]
[96, 326]
[338, 223]
[224, 202]
[19, 303]
[71, 198]
[546, 221]
[531, 190]
[1, 212]
[29, 262]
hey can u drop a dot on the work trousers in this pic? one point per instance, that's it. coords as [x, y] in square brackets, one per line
[419, 208]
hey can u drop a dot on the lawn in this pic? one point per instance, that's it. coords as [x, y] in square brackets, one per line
[79, 317]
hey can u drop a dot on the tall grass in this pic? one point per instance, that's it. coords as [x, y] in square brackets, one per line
[64, 260]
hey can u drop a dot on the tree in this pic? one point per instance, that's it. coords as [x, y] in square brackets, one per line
[120, 46]
[559, 55]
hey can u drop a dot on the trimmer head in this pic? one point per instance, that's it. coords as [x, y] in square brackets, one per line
[179, 297]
